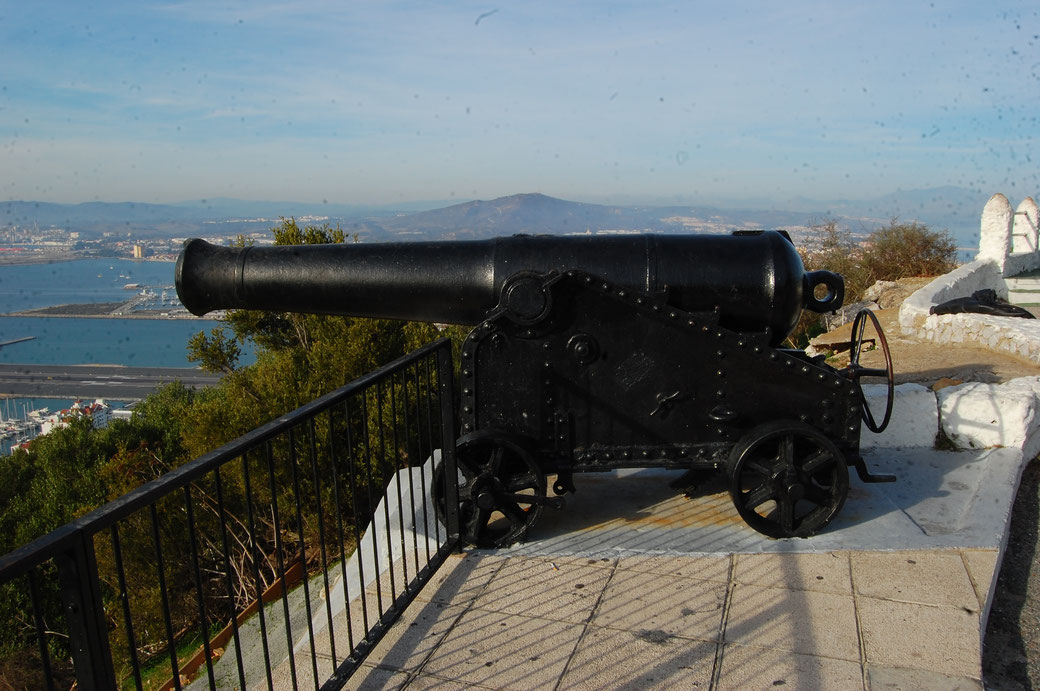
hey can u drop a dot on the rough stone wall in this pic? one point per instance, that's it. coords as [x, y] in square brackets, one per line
[959, 283]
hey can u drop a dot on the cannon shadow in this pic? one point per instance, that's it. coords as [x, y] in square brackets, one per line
[940, 500]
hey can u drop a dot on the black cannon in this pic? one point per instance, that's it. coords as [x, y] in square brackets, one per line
[591, 353]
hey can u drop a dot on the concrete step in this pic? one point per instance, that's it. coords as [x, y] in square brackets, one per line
[1024, 297]
[1023, 283]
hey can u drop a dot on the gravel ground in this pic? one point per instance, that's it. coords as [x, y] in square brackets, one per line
[1011, 656]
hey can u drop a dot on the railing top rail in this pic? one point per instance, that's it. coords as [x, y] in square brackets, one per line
[28, 556]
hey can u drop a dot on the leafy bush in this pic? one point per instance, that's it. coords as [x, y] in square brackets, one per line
[904, 250]
[898, 250]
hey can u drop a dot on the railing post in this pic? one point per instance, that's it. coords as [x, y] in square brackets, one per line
[85, 615]
[446, 373]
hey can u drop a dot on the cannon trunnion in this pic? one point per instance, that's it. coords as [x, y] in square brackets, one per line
[590, 355]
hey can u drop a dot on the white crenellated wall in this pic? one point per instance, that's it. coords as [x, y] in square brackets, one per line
[1008, 245]
[1009, 238]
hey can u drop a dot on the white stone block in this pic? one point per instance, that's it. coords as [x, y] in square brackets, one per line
[995, 235]
[976, 415]
[915, 417]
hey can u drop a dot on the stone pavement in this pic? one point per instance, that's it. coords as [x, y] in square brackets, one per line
[634, 586]
[834, 620]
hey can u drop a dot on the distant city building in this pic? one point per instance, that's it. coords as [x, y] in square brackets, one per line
[99, 412]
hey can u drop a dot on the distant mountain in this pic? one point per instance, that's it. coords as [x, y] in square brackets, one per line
[538, 213]
[223, 208]
[954, 208]
[204, 216]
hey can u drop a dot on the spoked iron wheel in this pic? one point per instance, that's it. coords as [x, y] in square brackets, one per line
[501, 489]
[855, 371]
[787, 479]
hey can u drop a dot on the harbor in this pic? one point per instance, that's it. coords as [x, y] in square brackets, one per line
[28, 393]
[23, 420]
[147, 302]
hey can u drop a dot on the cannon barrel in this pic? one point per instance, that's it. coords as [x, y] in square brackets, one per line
[755, 278]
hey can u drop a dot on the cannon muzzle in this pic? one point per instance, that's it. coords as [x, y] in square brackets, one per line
[755, 279]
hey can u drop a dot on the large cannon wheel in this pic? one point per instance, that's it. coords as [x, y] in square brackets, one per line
[856, 371]
[501, 489]
[787, 479]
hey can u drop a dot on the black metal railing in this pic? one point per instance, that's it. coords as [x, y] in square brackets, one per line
[279, 559]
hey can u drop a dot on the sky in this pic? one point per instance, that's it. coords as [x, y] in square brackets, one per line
[363, 102]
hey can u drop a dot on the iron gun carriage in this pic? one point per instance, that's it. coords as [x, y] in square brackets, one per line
[590, 353]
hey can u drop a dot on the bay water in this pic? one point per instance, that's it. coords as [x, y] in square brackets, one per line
[87, 341]
[82, 341]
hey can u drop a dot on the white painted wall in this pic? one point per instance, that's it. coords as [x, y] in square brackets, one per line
[1008, 245]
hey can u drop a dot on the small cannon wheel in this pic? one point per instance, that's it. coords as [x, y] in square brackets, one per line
[787, 479]
[501, 489]
[856, 371]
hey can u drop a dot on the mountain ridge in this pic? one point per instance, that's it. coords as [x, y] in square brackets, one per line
[954, 208]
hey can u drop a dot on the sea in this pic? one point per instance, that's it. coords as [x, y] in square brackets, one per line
[79, 341]
[71, 340]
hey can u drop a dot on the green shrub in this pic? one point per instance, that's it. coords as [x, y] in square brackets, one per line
[898, 250]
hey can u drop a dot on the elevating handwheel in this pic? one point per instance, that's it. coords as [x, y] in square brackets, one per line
[501, 489]
[787, 479]
[856, 371]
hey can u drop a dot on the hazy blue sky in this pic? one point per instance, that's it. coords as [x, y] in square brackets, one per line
[596, 100]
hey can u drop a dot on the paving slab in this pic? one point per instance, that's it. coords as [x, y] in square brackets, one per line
[613, 658]
[500, 650]
[827, 572]
[796, 621]
[667, 605]
[939, 579]
[899, 679]
[540, 589]
[749, 668]
[914, 636]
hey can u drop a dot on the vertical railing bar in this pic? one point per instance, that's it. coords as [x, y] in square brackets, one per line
[321, 535]
[203, 619]
[167, 620]
[397, 475]
[385, 499]
[405, 380]
[279, 549]
[339, 530]
[228, 582]
[41, 629]
[298, 496]
[430, 388]
[368, 490]
[422, 455]
[351, 472]
[124, 598]
[446, 389]
[254, 546]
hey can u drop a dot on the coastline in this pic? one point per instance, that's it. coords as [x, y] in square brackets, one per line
[107, 310]
[153, 317]
[19, 259]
